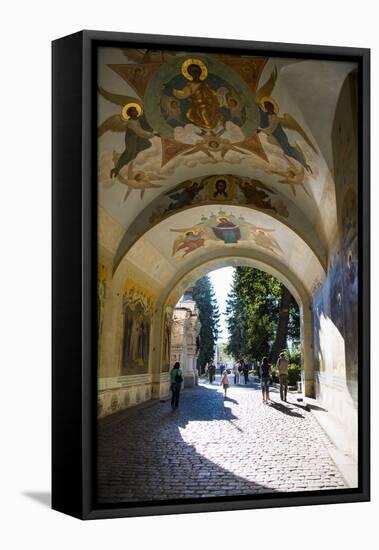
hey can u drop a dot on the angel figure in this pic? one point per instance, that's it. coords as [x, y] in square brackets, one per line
[171, 109]
[138, 132]
[293, 176]
[258, 193]
[189, 242]
[138, 181]
[262, 238]
[273, 125]
[184, 195]
[231, 102]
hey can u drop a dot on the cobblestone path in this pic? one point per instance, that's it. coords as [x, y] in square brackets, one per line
[210, 447]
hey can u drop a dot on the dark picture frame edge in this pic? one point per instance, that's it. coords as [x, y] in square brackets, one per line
[74, 256]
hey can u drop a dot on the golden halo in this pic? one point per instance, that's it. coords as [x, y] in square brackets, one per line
[124, 113]
[199, 63]
[268, 99]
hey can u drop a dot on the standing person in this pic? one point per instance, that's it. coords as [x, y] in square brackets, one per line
[211, 373]
[245, 370]
[236, 373]
[225, 382]
[282, 366]
[265, 374]
[176, 379]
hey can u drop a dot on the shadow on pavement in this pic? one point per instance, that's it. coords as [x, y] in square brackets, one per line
[142, 455]
[285, 409]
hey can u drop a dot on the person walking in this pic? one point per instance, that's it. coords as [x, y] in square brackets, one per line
[176, 379]
[265, 374]
[225, 382]
[236, 373]
[211, 373]
[245, 370]
[282, 367]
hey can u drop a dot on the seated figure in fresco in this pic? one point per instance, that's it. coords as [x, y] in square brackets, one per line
[227, 231]
[204, 111]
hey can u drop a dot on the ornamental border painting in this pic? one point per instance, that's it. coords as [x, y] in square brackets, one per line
[175, 159]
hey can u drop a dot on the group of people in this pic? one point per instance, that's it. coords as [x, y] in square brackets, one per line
[265, 372]
[240, 367]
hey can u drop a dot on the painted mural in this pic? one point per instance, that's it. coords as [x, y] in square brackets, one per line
[222, 228]
[336, 301]
[137, 313]
[101, 286]
[198, 109]
[167, 328]
[219, 189]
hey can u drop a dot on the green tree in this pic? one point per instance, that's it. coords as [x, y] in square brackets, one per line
[259, 315]
[209, 317]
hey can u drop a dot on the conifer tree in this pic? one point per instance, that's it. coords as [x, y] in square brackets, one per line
[209, 317]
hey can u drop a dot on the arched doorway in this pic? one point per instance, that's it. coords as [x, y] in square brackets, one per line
[190, 201]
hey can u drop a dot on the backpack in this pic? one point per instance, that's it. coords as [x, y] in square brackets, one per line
[178, 378]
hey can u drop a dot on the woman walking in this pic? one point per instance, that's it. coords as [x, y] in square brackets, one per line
[176, 379]
[236, 373]
[225, 382]
[265, 373]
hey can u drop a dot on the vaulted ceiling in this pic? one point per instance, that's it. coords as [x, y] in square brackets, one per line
[207, 157]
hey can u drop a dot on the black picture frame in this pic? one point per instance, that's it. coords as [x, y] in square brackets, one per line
[74, 332]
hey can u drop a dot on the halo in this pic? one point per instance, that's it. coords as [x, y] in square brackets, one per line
[199, 63]
[125, 108]
[268, 99]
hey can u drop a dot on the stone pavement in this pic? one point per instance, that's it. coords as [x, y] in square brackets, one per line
[210, 447]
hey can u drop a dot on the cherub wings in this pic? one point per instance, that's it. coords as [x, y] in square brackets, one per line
[198, 231]
[115, 123]
[185, 185]
[257, 184]
[138, 175]
[287, 120]
[266, 89]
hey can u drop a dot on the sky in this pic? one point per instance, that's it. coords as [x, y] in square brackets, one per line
[222, 280]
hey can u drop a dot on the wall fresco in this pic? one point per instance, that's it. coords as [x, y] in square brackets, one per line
[137, 315]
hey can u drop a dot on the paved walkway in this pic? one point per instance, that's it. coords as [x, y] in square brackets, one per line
[211, 447]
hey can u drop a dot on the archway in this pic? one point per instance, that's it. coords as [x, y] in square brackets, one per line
[190, 201]
[179, 253]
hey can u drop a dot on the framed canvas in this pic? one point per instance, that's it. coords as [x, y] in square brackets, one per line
[174, 157]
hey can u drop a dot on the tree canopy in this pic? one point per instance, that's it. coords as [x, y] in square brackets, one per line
[257, 305]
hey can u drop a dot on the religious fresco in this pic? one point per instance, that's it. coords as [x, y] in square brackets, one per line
[102, 273]
[201, 101]
[215, 189]
[167, 328]
[137, 314]
[336, 300]
[185, 110]
[225, 228]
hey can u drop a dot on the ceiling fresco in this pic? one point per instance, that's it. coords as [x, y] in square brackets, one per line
[203, 153]
[198, 234]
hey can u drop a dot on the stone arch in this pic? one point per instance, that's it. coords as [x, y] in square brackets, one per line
[184, 280]
[286, 256]
[269, 201]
